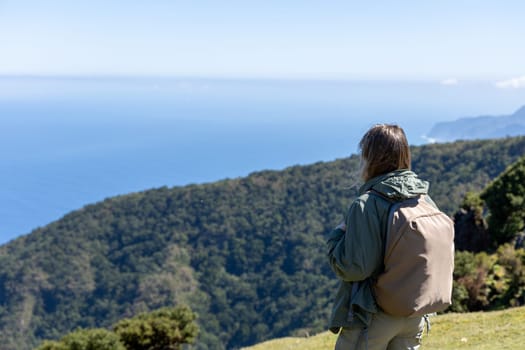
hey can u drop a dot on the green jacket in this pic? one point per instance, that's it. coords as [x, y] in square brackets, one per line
[357, 253]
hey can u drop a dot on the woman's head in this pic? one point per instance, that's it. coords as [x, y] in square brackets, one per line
[384, 148]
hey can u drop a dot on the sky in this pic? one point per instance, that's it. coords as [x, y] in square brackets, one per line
[445, 40]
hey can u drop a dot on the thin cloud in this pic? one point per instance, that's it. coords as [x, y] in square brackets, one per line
[514, 83]
[449, 82]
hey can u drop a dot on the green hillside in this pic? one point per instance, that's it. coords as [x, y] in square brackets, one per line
[246, 254]
[472, 331]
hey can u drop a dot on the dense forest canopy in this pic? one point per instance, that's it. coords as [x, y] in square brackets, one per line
[246, 254]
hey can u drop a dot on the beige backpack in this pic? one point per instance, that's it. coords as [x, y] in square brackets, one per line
[418, 260]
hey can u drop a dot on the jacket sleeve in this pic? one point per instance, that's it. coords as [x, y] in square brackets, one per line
[356, 254]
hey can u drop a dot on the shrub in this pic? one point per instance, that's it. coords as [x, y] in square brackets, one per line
[163, 329]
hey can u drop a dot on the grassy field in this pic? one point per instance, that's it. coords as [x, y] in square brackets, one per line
[476, 331]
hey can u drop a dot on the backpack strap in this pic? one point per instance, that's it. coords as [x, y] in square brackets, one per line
[386, 219]
[389, 211]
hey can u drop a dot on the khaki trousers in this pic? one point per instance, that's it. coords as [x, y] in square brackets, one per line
[385, 333]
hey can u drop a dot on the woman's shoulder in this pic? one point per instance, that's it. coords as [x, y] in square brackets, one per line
[370, 201]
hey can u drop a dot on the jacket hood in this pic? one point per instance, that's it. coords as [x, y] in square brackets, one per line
[398, 185]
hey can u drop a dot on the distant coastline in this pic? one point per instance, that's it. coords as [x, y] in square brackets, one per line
[482, 127]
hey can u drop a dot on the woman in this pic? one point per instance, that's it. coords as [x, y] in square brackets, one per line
[355, 247]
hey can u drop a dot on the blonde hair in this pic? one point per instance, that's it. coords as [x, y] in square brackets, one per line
[384, 148]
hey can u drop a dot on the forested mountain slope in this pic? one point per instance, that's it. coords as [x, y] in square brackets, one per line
[246, 254]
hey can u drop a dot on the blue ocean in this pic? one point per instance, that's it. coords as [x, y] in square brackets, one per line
[66, 142]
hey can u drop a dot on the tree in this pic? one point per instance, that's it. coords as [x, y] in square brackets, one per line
[505, 198]
[162, 329]
[470, 226]
[86, 339]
